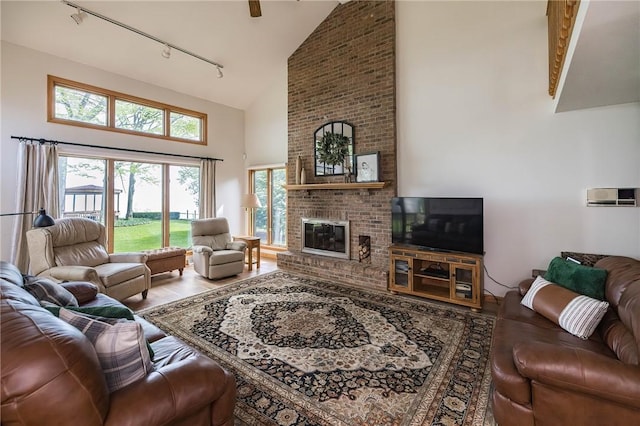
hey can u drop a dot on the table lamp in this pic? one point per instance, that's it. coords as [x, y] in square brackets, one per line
[250, 202]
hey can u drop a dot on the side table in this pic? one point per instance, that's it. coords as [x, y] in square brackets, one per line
[252, 243]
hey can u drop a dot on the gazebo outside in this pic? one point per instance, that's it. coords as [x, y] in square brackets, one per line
[87, 201]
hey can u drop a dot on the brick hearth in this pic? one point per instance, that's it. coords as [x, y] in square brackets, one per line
[345, 71]
[350, 272]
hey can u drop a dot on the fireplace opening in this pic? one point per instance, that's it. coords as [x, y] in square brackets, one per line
[325, 237]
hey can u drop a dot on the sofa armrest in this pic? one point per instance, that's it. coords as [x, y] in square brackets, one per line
[579, 370]
[128, 258]
[236, 245]
[175, 391]
[201, 249]
[83, 291]
[525, 285]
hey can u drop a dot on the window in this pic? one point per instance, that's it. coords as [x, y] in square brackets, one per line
[137, 212]
[269, 222]
[141, 118]
[79, 104]
[139, 225]
[82, 106]
[82, 187]
[184, 126]
[184, 187]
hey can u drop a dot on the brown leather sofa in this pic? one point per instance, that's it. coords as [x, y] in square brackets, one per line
[542, 375]
[51, 374]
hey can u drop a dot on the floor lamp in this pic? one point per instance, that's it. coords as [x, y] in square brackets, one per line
[41, 221]
[250, 202]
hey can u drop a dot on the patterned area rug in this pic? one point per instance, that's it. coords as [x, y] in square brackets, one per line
[308, 352]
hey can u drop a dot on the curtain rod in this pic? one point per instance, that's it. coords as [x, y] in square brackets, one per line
[139, 151]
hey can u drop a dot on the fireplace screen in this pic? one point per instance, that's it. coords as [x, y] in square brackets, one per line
[325, 237]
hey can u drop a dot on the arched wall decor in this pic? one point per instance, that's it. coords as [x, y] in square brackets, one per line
[341, 128]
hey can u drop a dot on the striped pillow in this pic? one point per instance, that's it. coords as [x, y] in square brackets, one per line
[121, 348]
[575, 313]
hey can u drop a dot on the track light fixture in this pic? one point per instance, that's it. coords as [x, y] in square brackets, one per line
[166, 52]
[82, 12]
[79, 16]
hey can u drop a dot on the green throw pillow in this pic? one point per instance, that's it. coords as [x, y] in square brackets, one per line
[100, 312]
[582, 279]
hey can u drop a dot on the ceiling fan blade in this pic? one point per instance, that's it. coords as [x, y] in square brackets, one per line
[254, 8]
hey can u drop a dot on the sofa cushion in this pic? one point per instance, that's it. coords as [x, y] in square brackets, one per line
[10, 273]
[121, 348]
[579, 278]
[622, 334]
[577, 314]
[46, 290]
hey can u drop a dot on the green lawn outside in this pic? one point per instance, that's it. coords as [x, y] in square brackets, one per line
[149, 236]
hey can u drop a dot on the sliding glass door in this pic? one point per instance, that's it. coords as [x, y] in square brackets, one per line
[143, 205]
[82, 188]
[139, 226]
[184, 195]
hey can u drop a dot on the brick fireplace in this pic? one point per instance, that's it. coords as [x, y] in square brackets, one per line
[344, 71]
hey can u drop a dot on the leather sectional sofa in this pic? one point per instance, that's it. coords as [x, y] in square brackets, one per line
[52, 375]
[542, 375]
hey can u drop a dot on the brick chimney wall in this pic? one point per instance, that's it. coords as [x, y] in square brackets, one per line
[345, 71]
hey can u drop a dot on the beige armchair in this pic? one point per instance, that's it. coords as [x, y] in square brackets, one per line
[74, 249]
[215, 254]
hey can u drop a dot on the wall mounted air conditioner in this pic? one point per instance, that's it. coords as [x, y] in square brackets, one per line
[613, 197]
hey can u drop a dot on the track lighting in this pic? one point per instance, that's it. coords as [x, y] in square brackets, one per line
[82, 13]
[79, 16]
[166, 52]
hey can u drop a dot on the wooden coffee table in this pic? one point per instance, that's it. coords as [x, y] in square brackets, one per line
[252, 243]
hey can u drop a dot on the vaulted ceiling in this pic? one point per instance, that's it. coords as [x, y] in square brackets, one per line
[252, 50]
[605, 68]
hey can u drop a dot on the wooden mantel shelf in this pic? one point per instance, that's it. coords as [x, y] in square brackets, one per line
[340, 185]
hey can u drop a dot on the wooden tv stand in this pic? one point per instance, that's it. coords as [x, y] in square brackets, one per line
[448, 277]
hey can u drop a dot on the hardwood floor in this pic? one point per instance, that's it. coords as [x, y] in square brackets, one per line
[168, 287]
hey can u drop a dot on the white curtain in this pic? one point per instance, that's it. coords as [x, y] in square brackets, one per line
[207, 189]
[37, 188]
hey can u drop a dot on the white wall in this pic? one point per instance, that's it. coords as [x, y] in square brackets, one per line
[24, 100]
[266, 129]
[475, 119]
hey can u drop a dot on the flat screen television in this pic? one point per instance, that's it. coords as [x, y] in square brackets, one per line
[448, 224]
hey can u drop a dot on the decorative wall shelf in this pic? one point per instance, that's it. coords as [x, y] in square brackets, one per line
[339, 185]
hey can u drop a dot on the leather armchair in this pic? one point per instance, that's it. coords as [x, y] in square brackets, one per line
[215, 254]
[74, 249]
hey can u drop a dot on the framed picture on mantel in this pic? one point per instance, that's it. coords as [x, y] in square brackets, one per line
[367, 167]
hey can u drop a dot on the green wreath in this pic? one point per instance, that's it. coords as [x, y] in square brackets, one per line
[332, 148]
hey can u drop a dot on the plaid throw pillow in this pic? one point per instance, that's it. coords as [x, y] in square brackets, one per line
[121, 348]
[45, 290]
[575, 313]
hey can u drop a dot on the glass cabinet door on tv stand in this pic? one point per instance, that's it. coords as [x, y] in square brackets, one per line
[448, 277]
